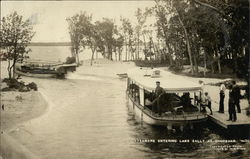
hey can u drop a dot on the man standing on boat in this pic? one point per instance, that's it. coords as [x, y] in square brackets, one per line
[158, 92]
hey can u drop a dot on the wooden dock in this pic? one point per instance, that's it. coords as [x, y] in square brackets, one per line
[221, 118]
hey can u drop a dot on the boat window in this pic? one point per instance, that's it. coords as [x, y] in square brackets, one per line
[134, 91]
[171, 102]
[191, 97]
[148, 97]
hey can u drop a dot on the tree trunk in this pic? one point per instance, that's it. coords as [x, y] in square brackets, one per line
[212, 65]
[9, 70]
[205, 65]
[77, 59]
[170, 52]
[119, 54]
[145, 46]
[132, 55]
[115, 55]
[14, 69]
[126, 49]
[196, 64]
[218, 61]
[234, 57]
[92, 56]
[138, 46]
[219, 65]
[188, 43]
[195, 59]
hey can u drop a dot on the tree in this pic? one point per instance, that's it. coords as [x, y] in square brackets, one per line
[119, 41]
[75, 36]
[16, 34]
[127, 34]
[141, 30]
[107, 30]
[88, 33]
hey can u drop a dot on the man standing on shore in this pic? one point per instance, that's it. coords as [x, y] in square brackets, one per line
[222, 97]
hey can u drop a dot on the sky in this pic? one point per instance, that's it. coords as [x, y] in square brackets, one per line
[49, 17]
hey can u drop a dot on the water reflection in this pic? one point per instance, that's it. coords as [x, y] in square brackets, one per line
[158, 142]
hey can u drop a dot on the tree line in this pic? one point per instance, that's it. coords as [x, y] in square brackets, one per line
[201, 33]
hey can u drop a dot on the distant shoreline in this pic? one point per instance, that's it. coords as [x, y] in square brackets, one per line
[50, 44]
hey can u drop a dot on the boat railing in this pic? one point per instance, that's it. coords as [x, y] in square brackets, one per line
[43, 62]
[172, 115]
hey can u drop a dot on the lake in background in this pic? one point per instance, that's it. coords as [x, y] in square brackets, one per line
[60, 53]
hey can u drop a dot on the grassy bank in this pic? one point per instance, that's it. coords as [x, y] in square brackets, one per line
[18, 107]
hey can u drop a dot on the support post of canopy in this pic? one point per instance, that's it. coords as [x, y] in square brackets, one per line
[182, 128]
[169, 126]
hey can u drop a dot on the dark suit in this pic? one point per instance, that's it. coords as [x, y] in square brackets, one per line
[158, 92]
[222, 97]
[231, 107]
[236, 96]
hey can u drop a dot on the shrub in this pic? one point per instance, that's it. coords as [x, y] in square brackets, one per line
[14, 84]
[70, 60]
[32, 85]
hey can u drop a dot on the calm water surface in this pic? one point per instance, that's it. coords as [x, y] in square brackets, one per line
[88, 118]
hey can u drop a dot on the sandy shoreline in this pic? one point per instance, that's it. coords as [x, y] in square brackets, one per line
[20, 107]
[17, 108]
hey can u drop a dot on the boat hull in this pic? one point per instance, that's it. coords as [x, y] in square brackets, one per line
[37, 75]
[148, 117]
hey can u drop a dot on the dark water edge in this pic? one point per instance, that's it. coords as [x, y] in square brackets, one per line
[191, 143]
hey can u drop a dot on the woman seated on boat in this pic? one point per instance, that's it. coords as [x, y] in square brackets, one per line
[186, 102]
[185, 99]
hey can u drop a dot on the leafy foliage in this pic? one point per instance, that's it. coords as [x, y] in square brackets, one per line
[16, 34]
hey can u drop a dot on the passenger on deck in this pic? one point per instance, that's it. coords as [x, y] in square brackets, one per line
[206, 102]
[158, 92]
[186, 100]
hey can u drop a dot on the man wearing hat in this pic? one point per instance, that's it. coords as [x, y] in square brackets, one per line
[158, 92]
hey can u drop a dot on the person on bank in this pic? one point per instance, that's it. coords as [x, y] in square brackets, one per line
[206, 102]
[236, 96]
[231, 105]
[158, 92]
[222, 97]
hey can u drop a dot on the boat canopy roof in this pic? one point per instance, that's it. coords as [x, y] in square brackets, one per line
[168, 81]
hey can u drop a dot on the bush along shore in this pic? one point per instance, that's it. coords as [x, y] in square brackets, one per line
[16, 85]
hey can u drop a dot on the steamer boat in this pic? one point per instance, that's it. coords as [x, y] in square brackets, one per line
[179, 104]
